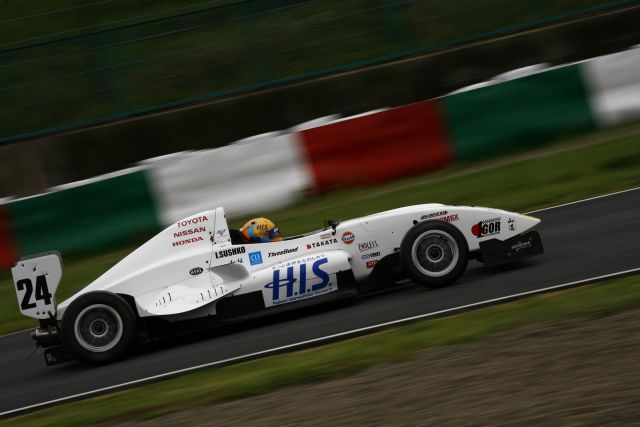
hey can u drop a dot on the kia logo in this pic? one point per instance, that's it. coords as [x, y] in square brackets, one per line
[195, 271]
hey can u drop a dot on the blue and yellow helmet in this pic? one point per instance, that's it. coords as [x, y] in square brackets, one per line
[260, 230]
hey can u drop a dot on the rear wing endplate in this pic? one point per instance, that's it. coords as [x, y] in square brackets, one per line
[36, 280]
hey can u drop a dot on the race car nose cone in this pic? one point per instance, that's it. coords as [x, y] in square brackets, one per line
[527, 222]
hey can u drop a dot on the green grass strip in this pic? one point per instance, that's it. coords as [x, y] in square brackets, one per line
[334, 360]
[515, 183]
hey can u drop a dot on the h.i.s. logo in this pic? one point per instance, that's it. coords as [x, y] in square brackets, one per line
[299, 281]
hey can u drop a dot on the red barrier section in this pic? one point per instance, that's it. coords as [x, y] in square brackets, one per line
[378, 147]
[8, 252]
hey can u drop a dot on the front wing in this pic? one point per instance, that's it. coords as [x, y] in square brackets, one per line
[495, 252]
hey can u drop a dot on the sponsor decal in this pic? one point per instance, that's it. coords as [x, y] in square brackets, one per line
[189, 232]
[195, 271]
[187, 241]
[369, 256]
[298, 282]
[363, 247]
[255, 258]
[298, 261]
[191, 221]
[222, 232]
[230, 252]
[326, 236]
[511, 224]
[488, 227]
[433, 215]
[348, 237]
[283, 252]
[443, 214]
[314, 245]
[237, 261]
[449, 218]
[517, 247]
[372, 263]
[261, 227]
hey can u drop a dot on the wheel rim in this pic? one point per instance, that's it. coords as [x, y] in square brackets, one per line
[98, 328]
[435, 253]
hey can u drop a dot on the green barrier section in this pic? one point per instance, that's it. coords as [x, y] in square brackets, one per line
[518, 114]
[95, 216]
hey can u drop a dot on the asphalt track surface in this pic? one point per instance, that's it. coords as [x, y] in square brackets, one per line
[582, 240]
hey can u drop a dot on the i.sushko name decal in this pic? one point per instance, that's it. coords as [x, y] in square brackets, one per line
[297, 280]
[224, 253]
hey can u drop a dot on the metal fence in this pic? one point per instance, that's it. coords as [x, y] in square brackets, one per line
[237, 47]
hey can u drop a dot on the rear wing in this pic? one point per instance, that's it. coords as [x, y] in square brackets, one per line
[36, 280]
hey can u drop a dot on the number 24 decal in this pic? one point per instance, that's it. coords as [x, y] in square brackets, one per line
[42, 292]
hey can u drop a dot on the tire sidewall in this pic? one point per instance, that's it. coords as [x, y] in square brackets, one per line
[123, 309]
[414, 272]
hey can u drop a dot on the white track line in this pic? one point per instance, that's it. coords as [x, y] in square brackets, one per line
[584, 200]
[530, 212]
[326, 338]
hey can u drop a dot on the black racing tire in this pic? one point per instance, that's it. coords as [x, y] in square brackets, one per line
[434, 253]
[99, 327]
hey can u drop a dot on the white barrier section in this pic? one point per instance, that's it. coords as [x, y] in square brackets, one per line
[320, 121]
[250, 176]
[614, 82]
[505, 77]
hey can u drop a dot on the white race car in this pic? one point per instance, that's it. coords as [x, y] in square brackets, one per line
[197, 273]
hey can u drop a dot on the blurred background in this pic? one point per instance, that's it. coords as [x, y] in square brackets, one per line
[123, 117]
[118, 118]
[66, 65]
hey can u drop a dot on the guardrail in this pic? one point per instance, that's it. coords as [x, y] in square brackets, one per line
[236, 47]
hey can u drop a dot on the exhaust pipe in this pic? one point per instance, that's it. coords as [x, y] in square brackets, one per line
[46, 337]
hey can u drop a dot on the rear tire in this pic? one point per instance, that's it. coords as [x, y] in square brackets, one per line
[434, 253]
[99, 327]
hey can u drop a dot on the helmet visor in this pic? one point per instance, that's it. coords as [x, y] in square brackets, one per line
[274, 234]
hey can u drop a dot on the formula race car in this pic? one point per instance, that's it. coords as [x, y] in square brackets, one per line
[197, 273]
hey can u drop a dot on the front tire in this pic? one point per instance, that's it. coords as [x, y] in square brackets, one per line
[434, 253]
[99, 327]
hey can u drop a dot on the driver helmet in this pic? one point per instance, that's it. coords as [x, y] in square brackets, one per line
[260, 230]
